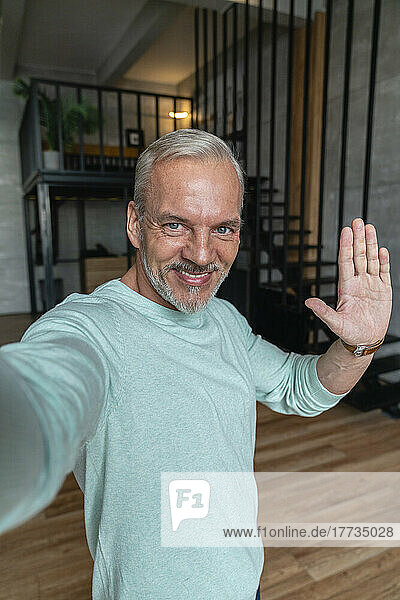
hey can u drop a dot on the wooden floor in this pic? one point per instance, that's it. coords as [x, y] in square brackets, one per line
[48, 559]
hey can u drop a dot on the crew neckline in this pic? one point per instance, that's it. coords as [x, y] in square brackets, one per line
[153, 309]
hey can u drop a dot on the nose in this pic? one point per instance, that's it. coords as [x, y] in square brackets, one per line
[199, 248]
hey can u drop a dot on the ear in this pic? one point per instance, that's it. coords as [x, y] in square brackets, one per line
[133, 225]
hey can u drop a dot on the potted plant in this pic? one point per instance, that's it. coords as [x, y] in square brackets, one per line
[72, 113]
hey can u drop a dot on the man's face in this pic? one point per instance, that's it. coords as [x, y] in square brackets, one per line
[189, 237]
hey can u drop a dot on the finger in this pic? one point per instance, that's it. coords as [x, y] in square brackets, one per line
[372, 250]
[359, 248]
[384, 263]
[345, 260]
[327, 314]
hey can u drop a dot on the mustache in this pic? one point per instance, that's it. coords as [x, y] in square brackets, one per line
[193, 268]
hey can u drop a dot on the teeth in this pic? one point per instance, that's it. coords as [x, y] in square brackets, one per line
[192, 275]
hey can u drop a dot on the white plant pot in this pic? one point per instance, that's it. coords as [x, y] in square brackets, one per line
[51, 159]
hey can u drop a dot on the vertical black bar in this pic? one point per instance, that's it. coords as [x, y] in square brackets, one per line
[139, 112]
[29, 253]
[174, 112]
[322, 162]
[120, 133]
[157, 119]
[101, 137]
[371, 102]
[224, 71]
[288, 143]
[245, 83]
[81, 155]
[256, 257]
[234, 73]
[36, 127]
[80, 205]
[191, 113]
[272, 134]
[196, 53]
[44, 208]
[205, 67]
[345, 109]
[245, 145]
[59, 128]
[215, 66]
[300, 304]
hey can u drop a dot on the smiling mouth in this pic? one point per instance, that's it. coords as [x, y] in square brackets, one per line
[193, 278]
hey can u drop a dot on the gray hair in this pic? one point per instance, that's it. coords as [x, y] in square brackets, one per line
[181, 143]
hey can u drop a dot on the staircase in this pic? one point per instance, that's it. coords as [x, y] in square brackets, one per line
[289, 329]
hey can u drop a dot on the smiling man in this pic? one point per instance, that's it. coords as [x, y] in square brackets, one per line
[186, 226]
[152, 373]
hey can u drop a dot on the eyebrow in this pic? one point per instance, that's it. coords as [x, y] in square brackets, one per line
[234, 222]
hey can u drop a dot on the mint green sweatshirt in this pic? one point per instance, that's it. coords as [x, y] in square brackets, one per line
[119, 389]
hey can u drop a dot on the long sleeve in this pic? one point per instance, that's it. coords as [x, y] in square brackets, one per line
[286, 382]
[54, 384]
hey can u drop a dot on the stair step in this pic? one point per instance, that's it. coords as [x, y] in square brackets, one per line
[290, 217]
[385, 364]
[296, 246]
[252, 192]
[306, 263]
[313, 263]
[252, 180]
[296, 231]
[292, 247]
[372, 397]
[322, 280]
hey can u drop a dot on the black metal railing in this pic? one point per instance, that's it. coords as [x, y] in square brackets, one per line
[116, 156]
[234, 76]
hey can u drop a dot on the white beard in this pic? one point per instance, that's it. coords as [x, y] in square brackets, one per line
[193, 304]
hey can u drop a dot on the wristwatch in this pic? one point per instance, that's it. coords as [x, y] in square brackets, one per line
[361, 350]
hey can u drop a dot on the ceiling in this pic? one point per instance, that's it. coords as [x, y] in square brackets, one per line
[142, 42]
[171, 58]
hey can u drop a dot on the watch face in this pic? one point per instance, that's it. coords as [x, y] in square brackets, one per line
[359, 351]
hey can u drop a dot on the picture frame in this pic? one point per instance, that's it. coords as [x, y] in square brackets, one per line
[134, 138]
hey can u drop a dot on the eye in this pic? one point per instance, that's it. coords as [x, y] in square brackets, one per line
[223, 227]
[172, 228]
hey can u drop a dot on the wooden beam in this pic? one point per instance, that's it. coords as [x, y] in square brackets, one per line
[314, 132]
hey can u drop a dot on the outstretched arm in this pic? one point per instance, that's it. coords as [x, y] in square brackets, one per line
[363, 310]
[53, 385]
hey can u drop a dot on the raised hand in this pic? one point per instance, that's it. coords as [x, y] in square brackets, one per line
[364, 304]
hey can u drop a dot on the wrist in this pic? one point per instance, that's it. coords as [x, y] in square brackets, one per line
[360, 350]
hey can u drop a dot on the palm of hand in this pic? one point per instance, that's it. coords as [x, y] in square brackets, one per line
[364, 304]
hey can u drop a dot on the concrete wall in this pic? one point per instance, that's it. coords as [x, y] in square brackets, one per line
[14, 288]
[384, 206]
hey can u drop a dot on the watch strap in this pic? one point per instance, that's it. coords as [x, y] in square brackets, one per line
[362, 350]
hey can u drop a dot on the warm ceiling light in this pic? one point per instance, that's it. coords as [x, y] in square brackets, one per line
[178, 115]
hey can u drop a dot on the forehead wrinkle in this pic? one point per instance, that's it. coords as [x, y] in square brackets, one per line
[189, 188]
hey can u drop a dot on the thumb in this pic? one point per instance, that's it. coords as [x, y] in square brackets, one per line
[324, 312]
